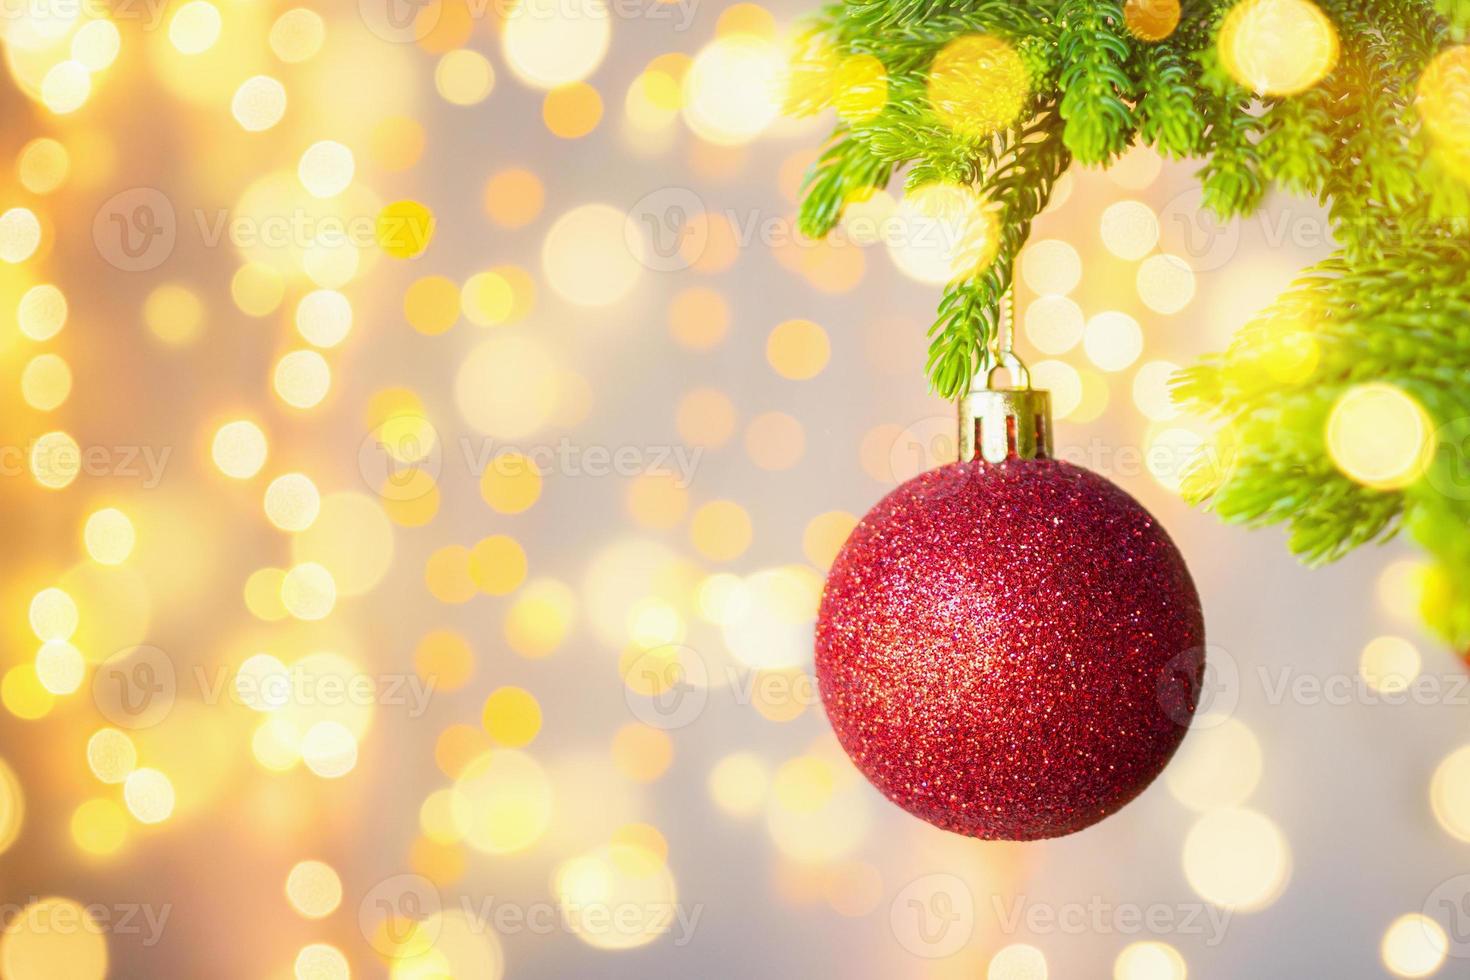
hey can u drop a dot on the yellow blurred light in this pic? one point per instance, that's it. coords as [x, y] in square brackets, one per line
[588, 256]
[43, 165]
[1149, 961]
[1414, 945]
[1401, 587]
[319, 961]
[798, 349]
[496, 296]
[23, 695]
[111, 755]
[302, 378]
[51, 938]
[275, 744]
[548, 43]
[1218, 766]
[239, 449]
[313, 889]
[431, 305]
[738, 784]
[1112, 340]
[259, 103]
[326, 168]
[174, 314]
[464, 77]
[1130, 229]
[1166, 283]
[511, 483]
[733, 90]
[445, 658]
[455, 748]
[12, 806]
[1441, 98]
[705, 417]
[699, 318]
[45, 382]
[42, 312]
[297, 35]
[720, 530]
[540, 618]
[56, 459]
[404, 229]
[825, 535]
[943, 232]
[769, 624]
[66, 87]
[1278, 47]
[96, 44]
[507, 387]
[1017, 961]
[1449, 793]
[149, 795]
[1136, 169]
[775, 441]
[498, 564]
[397, 143]
[99, 827]
[1053, 324]
[1389, 664]
[263, 594]
[616, 897]
[452, 943]
[329, 749]
[53, 615]
[513, 197]
[1380, 436]
[195, 27]
[20, 235]
[308, 591]
[292, 502]
[511, 717]
[60, 668]
[257, 289]
[860, 87]
[1151, 392]
[502, 802]
[978, 84]
[572, 111]
[447, 575]
[657, 500]
[324, 317]
[1237, 859]
[1151, 20]
[1170, 453]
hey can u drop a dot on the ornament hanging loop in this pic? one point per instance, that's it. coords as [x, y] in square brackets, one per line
[1000, 423]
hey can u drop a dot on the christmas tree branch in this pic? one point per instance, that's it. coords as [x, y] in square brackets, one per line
[1393, 306]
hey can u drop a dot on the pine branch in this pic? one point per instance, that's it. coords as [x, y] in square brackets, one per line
[1096, 104]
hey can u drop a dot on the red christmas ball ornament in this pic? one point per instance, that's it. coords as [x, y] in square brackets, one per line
[1010, 646]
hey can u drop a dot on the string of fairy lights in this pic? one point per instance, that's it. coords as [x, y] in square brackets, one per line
[680, 576]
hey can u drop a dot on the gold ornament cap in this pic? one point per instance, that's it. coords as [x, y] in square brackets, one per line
[1001, 423]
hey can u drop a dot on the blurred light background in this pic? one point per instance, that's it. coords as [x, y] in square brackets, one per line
[424, 438]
